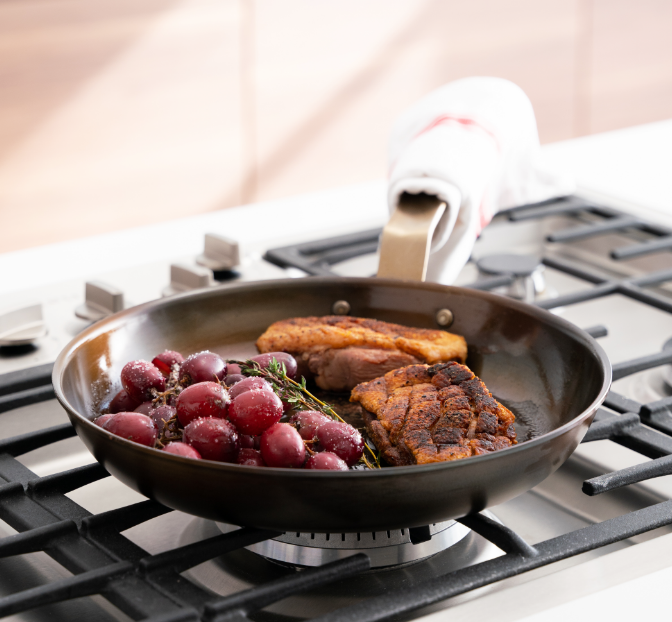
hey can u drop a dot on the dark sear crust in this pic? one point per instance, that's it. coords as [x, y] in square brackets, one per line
[421, 414]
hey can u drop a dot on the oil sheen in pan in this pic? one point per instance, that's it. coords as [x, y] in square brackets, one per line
[528, 423]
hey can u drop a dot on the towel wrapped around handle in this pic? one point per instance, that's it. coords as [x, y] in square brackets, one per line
[473, 144]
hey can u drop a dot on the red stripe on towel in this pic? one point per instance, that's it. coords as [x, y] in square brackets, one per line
[446, 119]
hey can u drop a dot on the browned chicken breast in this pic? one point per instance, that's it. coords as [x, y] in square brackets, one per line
[421, 414]
[341, 352]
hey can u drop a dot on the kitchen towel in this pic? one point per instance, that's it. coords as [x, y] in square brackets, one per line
[474, 144]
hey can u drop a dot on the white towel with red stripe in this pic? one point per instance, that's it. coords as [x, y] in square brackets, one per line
[474, 144]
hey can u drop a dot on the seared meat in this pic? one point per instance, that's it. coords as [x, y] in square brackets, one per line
[342, 369]
[421, 414]
[341, 352]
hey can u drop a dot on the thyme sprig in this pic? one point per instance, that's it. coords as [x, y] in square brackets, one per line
[297, 394]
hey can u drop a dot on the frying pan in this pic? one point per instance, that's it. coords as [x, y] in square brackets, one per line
[551, 374]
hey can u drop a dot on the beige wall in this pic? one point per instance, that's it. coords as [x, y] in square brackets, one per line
[117, 113]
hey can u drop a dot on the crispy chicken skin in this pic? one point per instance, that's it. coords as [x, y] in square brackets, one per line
[421, 414]
[341, 352]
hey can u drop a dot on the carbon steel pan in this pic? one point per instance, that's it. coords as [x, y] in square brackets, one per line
[550, 373]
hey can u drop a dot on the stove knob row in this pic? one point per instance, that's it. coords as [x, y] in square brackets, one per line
[220, 256]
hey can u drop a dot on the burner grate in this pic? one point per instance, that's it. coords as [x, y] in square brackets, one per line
[150, 587]
[25, 387]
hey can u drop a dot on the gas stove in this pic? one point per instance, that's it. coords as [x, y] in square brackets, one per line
[76, 544]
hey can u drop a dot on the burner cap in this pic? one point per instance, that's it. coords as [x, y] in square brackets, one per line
[506, 263]
[666, 371]
[384, 548]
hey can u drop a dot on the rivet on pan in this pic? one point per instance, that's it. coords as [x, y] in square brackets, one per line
[444, 317]
[341, 307]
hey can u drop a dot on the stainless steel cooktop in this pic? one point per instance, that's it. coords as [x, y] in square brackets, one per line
[635, 329]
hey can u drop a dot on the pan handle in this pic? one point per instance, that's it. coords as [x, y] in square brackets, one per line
[406, 238]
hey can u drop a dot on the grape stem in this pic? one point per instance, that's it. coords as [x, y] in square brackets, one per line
[296, 393]
[170, 427]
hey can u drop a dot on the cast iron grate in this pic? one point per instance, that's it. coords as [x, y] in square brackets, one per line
[150, 587]
[316, 258]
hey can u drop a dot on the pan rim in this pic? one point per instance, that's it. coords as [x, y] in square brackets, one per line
[114, 322]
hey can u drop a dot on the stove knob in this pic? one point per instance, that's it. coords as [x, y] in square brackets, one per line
[184, 278]
[220, 254]
[21, 327]
[100, 300]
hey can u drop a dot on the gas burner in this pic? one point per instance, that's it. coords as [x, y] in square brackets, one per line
[649, 385]
[528, 272]
[666, 370]
[384, 548]
[243, 570]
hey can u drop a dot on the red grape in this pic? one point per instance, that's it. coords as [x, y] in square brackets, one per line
[281, 446]
[233, 369]
[100, 421]
[326, 461]
[135, 427]
[145, 408]
[164, 362]
[281, 357]
[307, 422]
[214, 439]
[250, 457]
[122, 402]
[249, 384]
[232, 379]
[341, 439]
[182, 449]
[161, 414]
[254, 411]
[203, 367]
[139, 378]
[247, 441]
[205, 399]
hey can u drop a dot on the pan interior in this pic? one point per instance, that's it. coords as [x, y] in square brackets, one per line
[543, 369]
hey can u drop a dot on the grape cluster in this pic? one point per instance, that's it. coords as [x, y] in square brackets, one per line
[205, 408]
